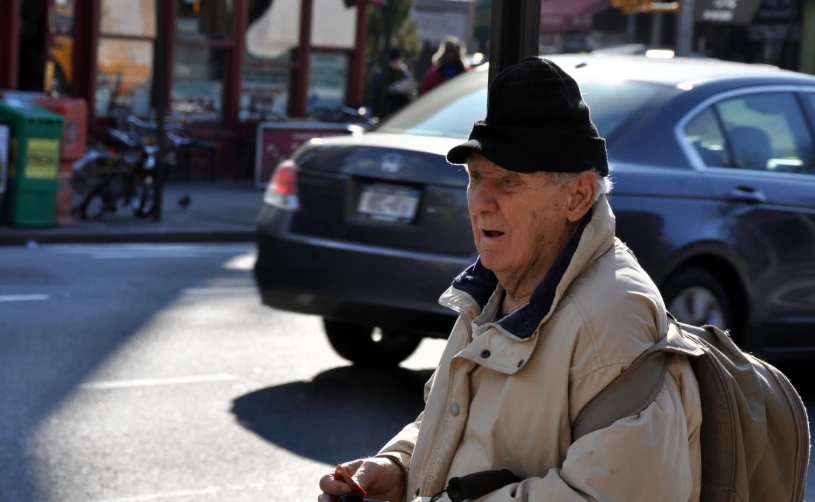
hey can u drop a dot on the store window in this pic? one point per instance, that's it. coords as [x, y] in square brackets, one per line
[272, 31]
[328, 79]
[129, 18]
[124, 76]
[264, 93]
[59, 68]
[272, 35]
[198, 76]
[124, 56]
[204, 19]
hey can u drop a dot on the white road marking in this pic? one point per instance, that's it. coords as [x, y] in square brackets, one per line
[152, 382]
[23, 298]
[185, 493]
[220, 291]
[143, 251]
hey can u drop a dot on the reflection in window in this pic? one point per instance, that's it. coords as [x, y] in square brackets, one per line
[264, 93]
[273, 30]
[707, 138]
[198, 76]
[451, 109]
[204, 19]
[124, 75]
[768, 132]
[59, 67]
[128, 17]
[328, 80]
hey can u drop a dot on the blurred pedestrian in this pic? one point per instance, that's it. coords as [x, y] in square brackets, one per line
[449, 62]
[400, 89]
[550, 314]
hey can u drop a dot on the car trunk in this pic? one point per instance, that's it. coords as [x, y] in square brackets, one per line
[392, 191]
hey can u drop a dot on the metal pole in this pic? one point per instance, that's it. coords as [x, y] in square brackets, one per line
[686, 20]
[515, 33]
[384, 104]
[160, 94]
[632, 28]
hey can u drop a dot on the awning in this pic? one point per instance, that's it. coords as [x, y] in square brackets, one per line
[726, 11]
[559, 16]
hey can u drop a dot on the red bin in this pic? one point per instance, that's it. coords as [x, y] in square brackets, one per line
[75, 129]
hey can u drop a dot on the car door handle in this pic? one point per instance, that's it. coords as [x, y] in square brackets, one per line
[746, 194]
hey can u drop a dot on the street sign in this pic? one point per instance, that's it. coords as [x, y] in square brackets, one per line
[277, 141]
[727, 11]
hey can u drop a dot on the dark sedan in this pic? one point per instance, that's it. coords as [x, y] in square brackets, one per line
[714, 170]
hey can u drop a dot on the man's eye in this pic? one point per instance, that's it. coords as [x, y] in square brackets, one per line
[475, 177]
[509, 181]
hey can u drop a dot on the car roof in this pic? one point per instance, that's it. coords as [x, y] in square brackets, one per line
[673, 72]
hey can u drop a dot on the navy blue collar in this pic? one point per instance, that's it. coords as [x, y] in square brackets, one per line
[480, 283]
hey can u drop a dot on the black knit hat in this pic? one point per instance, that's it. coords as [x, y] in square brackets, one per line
[536, 121]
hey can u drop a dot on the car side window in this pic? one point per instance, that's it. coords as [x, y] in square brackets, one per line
[707, 138]
[767, 132]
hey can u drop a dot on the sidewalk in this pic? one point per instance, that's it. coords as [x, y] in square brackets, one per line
[218, 212]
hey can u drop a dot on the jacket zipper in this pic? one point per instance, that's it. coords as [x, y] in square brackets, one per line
[801, 425]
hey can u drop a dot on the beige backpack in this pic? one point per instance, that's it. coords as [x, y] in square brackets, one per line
[755, 432]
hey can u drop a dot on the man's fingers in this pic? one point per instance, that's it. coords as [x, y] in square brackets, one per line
[366, 474]
[332, 486]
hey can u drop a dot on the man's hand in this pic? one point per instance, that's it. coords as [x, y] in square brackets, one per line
[382, 478]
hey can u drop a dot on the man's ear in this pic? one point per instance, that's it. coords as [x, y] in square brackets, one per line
[581, 199]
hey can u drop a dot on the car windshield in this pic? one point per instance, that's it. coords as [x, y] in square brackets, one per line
[452, 108]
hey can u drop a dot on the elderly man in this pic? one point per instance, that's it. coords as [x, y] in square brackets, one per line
[555, 308]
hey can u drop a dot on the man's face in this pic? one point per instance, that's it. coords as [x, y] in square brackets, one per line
[515, 217]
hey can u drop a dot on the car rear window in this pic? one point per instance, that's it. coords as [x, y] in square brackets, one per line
[451, 109]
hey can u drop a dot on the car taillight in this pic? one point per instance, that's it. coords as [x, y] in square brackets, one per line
[282, 189]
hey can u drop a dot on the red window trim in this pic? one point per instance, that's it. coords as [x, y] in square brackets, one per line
[218, 44]
[137, 38]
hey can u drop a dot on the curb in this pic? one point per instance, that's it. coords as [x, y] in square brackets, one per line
[202, 236]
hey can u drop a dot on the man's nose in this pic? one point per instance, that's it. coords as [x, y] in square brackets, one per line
[481, 198]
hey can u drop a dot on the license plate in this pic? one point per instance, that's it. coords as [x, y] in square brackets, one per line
[388, 203]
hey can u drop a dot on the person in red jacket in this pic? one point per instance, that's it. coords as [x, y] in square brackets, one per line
[448, 62]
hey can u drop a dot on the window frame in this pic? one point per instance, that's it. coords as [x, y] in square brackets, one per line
[123, 37]
[695, 160]
[228, 46]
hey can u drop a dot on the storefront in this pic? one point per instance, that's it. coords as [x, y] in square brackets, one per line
[229, 63]
[580, 25]
[751, 31]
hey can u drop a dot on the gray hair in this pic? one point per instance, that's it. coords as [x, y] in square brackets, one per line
[604, 183]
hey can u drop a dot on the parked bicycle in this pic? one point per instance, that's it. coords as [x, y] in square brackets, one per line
[115, 173]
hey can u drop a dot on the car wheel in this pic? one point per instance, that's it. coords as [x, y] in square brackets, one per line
[695, 296]
[365, 347]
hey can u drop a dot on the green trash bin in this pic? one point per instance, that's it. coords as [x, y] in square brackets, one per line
[33, 173]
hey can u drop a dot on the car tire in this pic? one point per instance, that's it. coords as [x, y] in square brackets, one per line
[696, 296]
[357, 344]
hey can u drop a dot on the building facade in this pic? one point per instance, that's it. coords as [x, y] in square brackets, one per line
[229, 64]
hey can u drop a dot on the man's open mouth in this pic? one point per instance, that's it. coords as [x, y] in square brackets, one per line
[492, 233]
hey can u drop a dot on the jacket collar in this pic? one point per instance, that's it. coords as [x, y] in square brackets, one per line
[473, 288]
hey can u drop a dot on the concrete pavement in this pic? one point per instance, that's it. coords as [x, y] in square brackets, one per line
[218, 212]
[133, 373]
[151, 372]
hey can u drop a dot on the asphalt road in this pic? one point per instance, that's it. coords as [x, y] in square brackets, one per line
[152, 373]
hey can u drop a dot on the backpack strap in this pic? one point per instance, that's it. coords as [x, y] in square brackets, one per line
[628, 395]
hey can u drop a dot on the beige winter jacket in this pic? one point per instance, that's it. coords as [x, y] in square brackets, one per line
[505, 393]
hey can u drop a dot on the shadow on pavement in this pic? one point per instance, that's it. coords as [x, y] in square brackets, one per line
[343, 414]
[48, 349]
